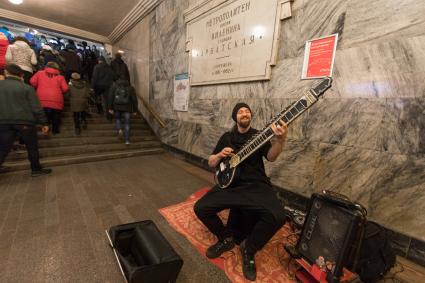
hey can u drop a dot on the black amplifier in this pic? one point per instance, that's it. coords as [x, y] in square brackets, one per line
[332, 231]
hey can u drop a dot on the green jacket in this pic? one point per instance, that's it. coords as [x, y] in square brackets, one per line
[79, 93]
[19, 105]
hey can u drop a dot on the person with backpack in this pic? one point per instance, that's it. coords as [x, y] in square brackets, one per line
[79, 94]
[122, 102]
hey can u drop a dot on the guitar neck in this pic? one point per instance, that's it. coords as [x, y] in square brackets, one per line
[288, 115]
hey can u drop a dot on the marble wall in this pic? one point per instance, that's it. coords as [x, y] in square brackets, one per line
[365, 139]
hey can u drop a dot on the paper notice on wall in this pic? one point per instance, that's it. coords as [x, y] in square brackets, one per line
[319, 57]
[181, 92]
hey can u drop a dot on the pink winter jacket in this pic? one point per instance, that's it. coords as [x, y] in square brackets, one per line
[50, 86]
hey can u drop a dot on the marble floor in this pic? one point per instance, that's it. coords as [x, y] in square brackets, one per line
[52, 228]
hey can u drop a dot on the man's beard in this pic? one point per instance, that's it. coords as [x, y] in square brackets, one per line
[244, 123]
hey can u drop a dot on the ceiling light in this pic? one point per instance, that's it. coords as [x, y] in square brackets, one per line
[16, 2]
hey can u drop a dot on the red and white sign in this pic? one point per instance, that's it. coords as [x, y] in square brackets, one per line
[319, 57]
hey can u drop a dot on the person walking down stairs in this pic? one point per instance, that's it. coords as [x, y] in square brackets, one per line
[79, 94]
[122, 102]
[51, 86]
[20, 112]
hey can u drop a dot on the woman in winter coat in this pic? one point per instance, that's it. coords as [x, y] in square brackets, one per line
[79, 93]
[4, 43]
[51, 86]
[21, 54]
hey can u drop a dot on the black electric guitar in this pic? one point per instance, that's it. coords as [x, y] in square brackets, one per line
[226, 170]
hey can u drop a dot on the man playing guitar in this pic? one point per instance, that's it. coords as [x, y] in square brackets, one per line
[251, 192]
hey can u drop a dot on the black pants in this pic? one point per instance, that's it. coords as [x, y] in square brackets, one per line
[27, 77]
[28, 135]
[54, 118]
[78, 118]
[267, 222]
[101, 94]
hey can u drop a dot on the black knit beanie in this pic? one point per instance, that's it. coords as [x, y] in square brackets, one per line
[237, 107]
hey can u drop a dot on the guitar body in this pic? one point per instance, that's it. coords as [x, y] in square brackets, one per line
[224, 173]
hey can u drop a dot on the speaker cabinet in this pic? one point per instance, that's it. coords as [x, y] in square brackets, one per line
[143, 253]
[332, 230]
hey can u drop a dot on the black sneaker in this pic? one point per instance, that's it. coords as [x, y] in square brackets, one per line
[77, 131]
[40, 172]
[219, 248]
[248, 263]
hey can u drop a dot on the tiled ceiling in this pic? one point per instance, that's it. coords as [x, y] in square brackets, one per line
[97, 16]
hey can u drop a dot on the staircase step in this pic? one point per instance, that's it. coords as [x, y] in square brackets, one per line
[95, 116]
[67, 133]
[49, 152]
[101, 126]
[82, 158]
[102, 121]
[98, 142]
[60, 142]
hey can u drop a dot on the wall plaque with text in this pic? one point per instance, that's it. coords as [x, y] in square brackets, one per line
[233, 40]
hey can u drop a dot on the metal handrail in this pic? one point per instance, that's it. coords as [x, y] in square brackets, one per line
[153, 113]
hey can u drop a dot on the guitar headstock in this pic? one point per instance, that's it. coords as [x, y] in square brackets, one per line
[323, 86]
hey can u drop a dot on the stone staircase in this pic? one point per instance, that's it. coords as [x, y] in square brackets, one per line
[98, 142]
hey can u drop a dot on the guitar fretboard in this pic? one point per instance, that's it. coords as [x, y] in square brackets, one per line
[288, 115]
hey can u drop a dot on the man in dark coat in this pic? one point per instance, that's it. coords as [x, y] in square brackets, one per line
[89, 60]
[102, 79]
[20, 112]
[120, 68]
[122, 102]
[72, 61]
[251, 192]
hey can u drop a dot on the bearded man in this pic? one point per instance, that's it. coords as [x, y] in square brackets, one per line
[251, 193]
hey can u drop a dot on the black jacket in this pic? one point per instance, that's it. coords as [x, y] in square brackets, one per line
[131, 106]
[103, 76]
[72, 60]
[47, 56]
[19, 105]
[120, 69]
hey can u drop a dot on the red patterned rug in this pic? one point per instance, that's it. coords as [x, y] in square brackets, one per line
[272, 260]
